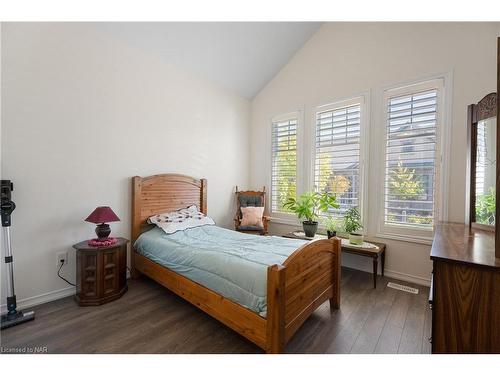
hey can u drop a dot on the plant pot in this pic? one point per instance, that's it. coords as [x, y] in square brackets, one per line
[310, 228]
[355, 239]
[331, 233]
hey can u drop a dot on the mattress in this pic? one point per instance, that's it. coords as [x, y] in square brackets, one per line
[230, 263]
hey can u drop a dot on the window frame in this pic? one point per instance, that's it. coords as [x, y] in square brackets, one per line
[283, 217]
[408, 232]
[363, 100]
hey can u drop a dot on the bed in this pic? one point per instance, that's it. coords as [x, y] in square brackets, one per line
[281, 296]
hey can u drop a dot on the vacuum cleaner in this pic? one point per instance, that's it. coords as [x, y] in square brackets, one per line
[13, 316]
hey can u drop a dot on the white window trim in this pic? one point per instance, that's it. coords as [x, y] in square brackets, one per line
[443, 83]
[363, 100]
[280, 217]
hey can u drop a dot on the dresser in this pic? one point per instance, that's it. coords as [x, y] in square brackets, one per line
[465, 291]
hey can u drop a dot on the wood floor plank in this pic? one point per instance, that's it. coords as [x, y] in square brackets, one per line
[151, 319]
[413, 331]
[368, 337]
[426, 344]
[390, 336]
[348, 333]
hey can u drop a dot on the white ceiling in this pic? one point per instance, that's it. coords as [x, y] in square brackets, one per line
[242, 57]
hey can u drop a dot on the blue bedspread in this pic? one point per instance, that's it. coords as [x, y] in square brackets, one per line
[230, 263]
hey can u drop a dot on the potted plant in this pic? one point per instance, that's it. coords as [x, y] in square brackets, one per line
[307, 207]
[332, 225]
[352, 224]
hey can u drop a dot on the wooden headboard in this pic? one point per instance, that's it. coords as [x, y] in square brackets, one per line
[163, 193]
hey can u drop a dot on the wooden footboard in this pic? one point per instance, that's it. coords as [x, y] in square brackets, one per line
[309, 277]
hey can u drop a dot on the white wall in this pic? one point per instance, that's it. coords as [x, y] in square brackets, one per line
[345, 59]
[82, 114]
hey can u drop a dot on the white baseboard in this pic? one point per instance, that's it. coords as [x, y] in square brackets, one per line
[393, 275]
[42, 298]
[409, 278]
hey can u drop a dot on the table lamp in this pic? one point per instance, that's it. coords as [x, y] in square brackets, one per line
[101, 216]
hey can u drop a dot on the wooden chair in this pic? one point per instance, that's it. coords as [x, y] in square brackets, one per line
[251, 199]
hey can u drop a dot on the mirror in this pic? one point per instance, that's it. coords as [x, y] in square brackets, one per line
[482, 129]
[486, 171]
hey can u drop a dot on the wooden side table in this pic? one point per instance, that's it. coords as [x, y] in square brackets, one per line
[371, 252]
[101, 272]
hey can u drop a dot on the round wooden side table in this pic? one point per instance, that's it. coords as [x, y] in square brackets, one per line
[101, 272]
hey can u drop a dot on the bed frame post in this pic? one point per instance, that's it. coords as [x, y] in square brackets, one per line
[335, 300]
[136, 225]
[275, 309]
[203, 198]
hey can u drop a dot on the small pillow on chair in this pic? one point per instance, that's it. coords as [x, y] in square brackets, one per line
[252, 216]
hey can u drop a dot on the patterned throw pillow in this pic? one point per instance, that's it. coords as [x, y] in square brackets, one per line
[252, 217]
[182, 219]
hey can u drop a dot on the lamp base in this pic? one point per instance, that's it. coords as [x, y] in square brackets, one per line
[103, 231]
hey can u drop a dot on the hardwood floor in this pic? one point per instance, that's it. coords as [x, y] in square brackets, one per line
[151, 319]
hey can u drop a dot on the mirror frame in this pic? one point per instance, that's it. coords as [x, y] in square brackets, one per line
[497, 213]
[486, 108]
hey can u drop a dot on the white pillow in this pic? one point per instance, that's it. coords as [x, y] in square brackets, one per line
[182, 219]
[252, 216]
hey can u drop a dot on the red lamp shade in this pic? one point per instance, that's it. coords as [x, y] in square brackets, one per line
[102, 215]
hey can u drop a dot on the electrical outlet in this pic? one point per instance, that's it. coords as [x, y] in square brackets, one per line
[62, 256]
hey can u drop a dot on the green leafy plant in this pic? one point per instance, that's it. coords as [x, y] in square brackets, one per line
[485, 208]
[424, 220]
[308, 205]
[334, 224]
[328, 180]
[352, 220]
[404, 183]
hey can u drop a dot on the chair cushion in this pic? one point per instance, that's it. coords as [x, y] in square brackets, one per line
[250, 228]
[250, 201]
[252, 216]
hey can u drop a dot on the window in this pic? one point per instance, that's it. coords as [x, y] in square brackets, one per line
[338, 153]
[411, 180]
[284, 161]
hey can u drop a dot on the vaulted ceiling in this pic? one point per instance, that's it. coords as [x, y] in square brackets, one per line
[240, 57]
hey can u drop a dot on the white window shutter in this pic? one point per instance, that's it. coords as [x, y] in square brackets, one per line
[337, 155]
[411, 159]
[284, 163]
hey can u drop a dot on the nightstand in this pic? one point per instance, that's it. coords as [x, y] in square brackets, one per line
[101, 272]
